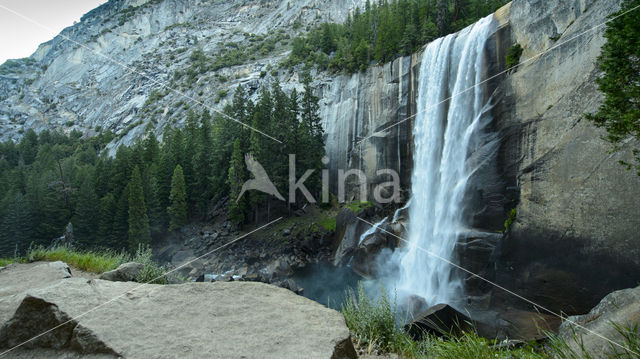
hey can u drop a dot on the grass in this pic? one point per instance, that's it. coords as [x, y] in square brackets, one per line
[7, 261]
[88, 261]
[328, 223]
[357, 206]
[96, 261]
[375, 327]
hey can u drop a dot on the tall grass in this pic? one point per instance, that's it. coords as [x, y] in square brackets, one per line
[374, 326]
[88, 261]
[96, 261]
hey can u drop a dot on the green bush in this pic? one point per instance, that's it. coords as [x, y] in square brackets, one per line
[512, 217]
[513, 56]
[151, 273]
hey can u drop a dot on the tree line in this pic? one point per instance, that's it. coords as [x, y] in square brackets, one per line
[154, 187]
[385, 30]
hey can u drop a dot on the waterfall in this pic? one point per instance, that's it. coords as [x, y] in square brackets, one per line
[371, 230]
[444, 136]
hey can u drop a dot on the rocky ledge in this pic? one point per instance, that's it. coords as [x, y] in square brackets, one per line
[127, 319]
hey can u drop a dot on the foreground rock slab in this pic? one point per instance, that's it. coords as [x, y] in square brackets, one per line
[194, 320]
[16, 279]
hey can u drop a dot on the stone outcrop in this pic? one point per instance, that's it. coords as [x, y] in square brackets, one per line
[97, 318]
[126, 272]
[620, 308]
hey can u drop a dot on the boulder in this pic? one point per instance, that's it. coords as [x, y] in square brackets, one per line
[192, 320]
[18, 278]
[620, 308]
[348, 231]
[365, 255]
[127, 272]
[441, 319]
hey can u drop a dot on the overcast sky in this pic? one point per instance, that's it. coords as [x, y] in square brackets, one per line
[20, 38]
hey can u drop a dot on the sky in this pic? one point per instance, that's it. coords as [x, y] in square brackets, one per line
[20, 37]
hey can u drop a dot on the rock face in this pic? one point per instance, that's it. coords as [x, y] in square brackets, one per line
[621, 308]
[71, 85]
[575, 235]
[218, 320]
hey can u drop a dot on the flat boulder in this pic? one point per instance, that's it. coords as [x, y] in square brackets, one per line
[620, 308]
[18, 278]
[126, 272]
[191, 320]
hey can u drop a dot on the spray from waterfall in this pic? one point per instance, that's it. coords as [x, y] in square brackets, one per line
[444, 136]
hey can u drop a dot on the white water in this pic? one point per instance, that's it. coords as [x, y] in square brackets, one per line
[444, 136]
[371, 230]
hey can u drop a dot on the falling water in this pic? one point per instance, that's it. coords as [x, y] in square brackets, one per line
[443, 133]
[371, 230]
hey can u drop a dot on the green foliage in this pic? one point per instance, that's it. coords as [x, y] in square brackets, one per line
[139, 232]
[178, 209]
[237, 177]
[373, 321]
[513, 56]
[355, 207]
[328, 223]
[88, 261]
[383, 31]
[151, 272]
[509, 221]
[619, 115]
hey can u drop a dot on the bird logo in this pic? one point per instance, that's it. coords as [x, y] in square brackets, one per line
[261, 181]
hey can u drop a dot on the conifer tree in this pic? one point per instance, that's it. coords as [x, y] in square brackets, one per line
[236, 178]
[106, 219]
[85, 221]
[139, 233]
[178, 209]
[15, 225]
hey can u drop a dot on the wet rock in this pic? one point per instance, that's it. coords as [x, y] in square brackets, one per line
[348, 231]
[365, 255]
[440, 319]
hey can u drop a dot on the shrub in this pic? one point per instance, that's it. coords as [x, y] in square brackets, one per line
[151, 273]
[513, 56]
[512, 217]
[373, 321]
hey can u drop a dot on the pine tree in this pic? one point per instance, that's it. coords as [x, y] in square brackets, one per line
[106, 219]
[85, 221]
[178, 209]
[120, 227]
[15, 225]
[236, 178]
[139, 233]
[155, 211]
[620, 82]
[203, 165]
